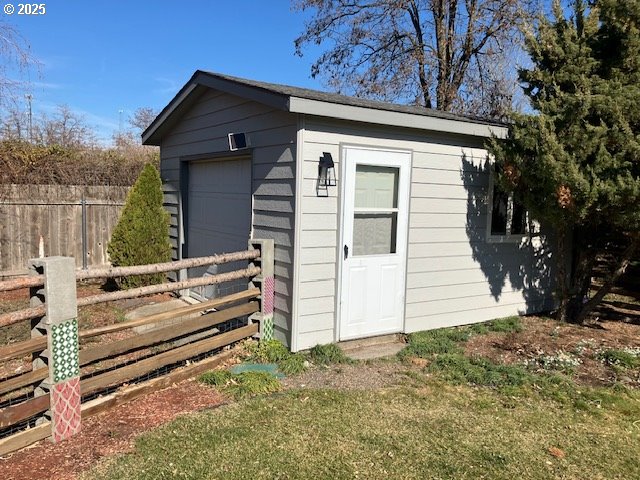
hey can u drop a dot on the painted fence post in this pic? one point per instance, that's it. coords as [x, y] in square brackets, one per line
[60, 324]
[266, 283]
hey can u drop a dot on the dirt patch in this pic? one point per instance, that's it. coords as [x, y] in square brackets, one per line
[544, 338]
[361, 376]
[107, 434]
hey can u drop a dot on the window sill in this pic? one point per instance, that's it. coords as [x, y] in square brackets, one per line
[520, 239]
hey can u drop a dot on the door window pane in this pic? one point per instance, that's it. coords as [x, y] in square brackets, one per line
[376, 187]
[374, 233]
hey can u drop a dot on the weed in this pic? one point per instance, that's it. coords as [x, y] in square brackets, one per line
[446, 340]
[584, 345]
[500, 325]
[560, 361]
[243, 384]
[217, 378]
[624, 359]
[432, 342]
[269, 351]
[121, 316]
[458, 369]
[273, 351]
[293, 364]
[328, 355]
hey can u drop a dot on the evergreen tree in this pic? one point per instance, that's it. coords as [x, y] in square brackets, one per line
[575, 162]
[142, 234]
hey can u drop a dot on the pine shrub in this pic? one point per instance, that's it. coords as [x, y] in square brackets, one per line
[142, 234]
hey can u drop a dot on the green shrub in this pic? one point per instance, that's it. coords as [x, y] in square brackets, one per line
[142, 234]
[243, 384]
[328, 354]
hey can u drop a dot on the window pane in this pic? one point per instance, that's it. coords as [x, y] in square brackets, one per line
[519, 220]
[374, 234]
[499, 212]
[376, 187]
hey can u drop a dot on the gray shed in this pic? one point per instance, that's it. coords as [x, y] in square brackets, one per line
[406, 233]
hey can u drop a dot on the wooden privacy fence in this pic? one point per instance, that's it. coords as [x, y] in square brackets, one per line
[68, 220]
[74, 376]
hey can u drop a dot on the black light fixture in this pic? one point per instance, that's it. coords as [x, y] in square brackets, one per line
[326, 171]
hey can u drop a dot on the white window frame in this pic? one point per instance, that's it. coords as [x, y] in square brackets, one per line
[508, 237]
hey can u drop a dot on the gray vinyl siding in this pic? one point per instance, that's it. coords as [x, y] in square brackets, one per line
[454, 275]
[203, 130]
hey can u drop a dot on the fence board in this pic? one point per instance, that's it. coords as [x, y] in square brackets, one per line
[164, 334]
[24, 438]
[33, 345]
[54, 212]
[101, 404]
[23, 380]
[147, 365]
[22, 411]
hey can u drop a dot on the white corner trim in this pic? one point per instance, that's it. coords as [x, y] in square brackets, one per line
[297, 232]
[398, 119]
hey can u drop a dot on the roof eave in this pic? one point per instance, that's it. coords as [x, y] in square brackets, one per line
[153, 134]
[398, 119]
[150, 135]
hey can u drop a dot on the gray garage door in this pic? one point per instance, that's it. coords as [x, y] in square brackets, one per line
[218, 217]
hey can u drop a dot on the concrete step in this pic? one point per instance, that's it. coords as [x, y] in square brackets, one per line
[373, 347]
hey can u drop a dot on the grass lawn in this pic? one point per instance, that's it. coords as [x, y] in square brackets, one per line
[450, 416]
[434, 431]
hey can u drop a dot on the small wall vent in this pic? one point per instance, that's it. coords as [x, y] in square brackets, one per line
[238, 141]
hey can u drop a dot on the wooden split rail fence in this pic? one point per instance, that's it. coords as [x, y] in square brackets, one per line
[74, 376]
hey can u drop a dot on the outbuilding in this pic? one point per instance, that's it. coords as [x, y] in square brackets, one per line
[385, 217]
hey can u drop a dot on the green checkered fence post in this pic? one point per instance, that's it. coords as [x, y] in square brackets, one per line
[266, 283]
[60, 324]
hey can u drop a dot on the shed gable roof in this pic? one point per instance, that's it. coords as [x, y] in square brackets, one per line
[314, 102]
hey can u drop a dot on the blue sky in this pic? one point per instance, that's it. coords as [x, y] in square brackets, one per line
[100, 57]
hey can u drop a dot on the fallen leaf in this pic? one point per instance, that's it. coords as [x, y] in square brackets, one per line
[556, 452]
[420, 362]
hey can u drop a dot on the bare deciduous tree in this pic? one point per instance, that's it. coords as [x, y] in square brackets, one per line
[64, 128]
[434, 53]
[142, 118]
[16, 60]
[15, 125]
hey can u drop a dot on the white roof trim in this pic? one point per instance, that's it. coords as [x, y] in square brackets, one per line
[398, 119]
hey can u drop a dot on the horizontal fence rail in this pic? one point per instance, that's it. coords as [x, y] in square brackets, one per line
[115, 272]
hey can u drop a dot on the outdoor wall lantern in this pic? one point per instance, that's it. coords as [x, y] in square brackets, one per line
[326, 174]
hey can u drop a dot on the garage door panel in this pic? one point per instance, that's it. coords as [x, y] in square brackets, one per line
[220, 176]
[218, 218]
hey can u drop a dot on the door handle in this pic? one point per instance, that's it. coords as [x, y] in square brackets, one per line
[346, 252]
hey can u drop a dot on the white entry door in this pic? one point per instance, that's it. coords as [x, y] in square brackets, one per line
[375, 208]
